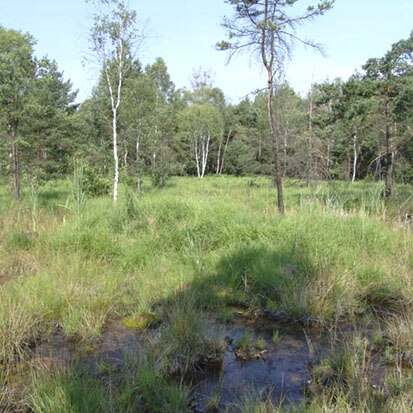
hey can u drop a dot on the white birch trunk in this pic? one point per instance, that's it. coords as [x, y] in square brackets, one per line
[115, 156]
[115, 106]
[355, 150]
[197, 157]
[218, 159]
[205, 150]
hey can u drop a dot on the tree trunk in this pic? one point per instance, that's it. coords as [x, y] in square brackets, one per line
[197, 157]
[377, 169]
[115, 155]
[125, 158]
[276, 144]
[355, 157]
[205, 151]
[285, 150]
[115, 107]
[218, 159]
[389, 181]
[16, 173]
[223, 153]
[310, 139]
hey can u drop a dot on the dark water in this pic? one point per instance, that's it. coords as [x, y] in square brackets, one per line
[281, 374]
[115, 343]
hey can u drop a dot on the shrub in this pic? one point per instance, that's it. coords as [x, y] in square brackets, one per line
[94, 183]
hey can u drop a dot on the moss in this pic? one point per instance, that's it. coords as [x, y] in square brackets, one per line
[142, 321]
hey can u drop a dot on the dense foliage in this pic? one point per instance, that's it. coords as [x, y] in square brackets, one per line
[354, 129]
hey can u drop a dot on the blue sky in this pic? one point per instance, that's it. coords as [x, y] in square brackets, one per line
[183, 33]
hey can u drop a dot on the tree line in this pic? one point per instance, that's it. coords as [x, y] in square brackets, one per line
[138, 124]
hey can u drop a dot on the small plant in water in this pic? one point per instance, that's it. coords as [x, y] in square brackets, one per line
[276, 337]
[261, 344]
[226, 316]
[246, 342]
[211, 406]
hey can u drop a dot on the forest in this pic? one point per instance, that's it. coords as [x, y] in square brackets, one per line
[348, 130]
[165, 249]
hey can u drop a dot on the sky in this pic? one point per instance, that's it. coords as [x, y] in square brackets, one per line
[184, 32]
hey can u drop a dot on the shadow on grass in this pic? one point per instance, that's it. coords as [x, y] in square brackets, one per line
[136, 385]
[278, 280]
[260, 277]
[287, 285]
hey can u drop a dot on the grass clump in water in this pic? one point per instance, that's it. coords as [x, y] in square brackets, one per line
[276, 338]
[246, 342]
[226, 316]
[186, 343]
[261, 344]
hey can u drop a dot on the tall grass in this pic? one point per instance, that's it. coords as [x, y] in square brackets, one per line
[316, 265]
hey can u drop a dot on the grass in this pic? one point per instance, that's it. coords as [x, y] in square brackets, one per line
[260, 344]
[226, 315]
[246, 342]
[68, 262]
[137, 386]
[342, 383]
[276, 338]
[185, 343]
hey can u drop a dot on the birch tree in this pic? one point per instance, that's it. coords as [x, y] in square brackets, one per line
[202, 124]
[267, 28]
[114, 38]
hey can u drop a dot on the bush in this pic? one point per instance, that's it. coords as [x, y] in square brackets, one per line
[94, 183]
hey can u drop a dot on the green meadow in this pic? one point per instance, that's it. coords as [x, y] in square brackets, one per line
[70, 264]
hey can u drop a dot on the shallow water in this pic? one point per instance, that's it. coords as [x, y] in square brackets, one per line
[115, 343]
[282, 373]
